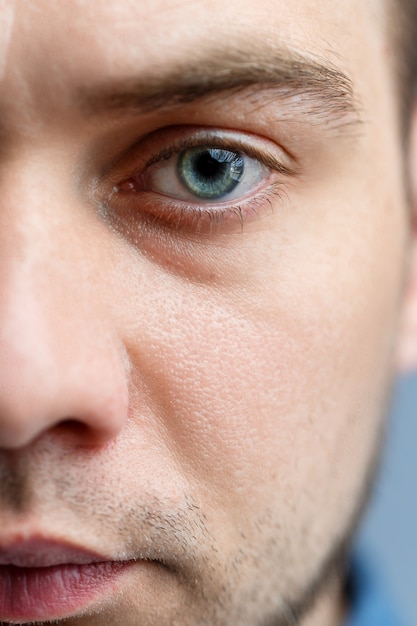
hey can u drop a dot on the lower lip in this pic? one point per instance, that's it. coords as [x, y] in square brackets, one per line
[47, 593]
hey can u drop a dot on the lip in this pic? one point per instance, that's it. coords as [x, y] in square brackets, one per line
[40, 552]
[43, 579]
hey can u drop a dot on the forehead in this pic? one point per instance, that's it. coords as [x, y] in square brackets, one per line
[50, 51]
[116, 36]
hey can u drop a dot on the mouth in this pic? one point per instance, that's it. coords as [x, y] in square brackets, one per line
[46, 580]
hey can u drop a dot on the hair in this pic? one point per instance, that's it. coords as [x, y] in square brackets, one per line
[404, 19]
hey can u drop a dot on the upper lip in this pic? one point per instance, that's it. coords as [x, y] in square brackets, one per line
[42, 552]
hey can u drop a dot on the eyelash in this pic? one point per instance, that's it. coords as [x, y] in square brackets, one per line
[203, 217]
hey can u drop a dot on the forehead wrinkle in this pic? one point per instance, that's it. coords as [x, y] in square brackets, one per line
[261, 74]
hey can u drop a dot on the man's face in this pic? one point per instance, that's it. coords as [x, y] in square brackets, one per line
[203, 231]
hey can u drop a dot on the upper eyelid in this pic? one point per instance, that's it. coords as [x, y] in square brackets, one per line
[246, 143]
[225, 143]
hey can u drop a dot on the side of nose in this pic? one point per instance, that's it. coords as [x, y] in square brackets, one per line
[60, 359]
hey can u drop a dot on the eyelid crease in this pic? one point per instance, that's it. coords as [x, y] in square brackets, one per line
[227, 144]
[215, 138]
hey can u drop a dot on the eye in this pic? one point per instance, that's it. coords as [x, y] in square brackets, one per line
[205, 173]
[189, 178]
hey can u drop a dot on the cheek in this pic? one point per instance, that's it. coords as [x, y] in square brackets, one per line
[278, 381]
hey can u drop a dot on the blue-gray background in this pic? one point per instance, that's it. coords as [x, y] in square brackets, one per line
[390, 527]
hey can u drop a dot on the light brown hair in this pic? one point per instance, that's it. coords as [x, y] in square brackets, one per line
[404, 21]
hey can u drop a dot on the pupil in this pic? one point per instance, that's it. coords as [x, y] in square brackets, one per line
[207, 166]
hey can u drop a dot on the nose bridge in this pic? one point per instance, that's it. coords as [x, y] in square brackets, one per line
[26, 249]
[39, 252]
[59, 357]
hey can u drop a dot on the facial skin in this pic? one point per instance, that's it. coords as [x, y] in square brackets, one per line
[202, 395]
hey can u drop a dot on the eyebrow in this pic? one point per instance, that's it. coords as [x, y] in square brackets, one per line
[313, 86]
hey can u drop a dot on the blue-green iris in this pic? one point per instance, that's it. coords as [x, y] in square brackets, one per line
[210, 173]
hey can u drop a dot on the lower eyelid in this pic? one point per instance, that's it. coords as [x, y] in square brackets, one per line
[178, 216]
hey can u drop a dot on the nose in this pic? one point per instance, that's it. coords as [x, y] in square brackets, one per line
[61, 365]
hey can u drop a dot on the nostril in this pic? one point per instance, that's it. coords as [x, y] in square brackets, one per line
[77, 432]
[73, 425]
[74, 428]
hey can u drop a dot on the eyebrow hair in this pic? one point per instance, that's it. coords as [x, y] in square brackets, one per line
[315, 85]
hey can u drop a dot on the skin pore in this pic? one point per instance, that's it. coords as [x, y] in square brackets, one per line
[199, 386]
